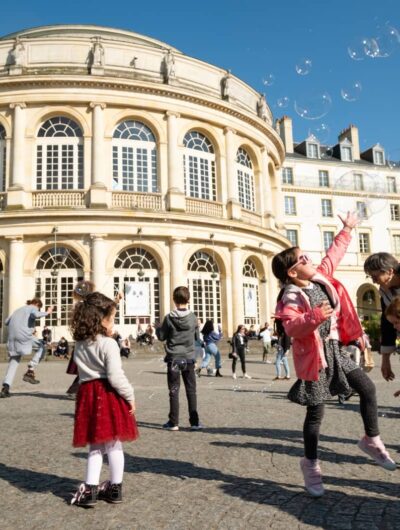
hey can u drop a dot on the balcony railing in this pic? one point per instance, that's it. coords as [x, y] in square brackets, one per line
[204, 207]
[251, 218]
[140, 201]
[58, 199]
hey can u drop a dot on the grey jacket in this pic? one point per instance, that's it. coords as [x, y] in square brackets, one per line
[179, 329]
[20, 328]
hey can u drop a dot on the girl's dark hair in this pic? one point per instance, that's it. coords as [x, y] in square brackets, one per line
[278, 324]
[208, 327]
[88, 314]
[35, 301]
[240, 326]
[282, 262]
[381, 261]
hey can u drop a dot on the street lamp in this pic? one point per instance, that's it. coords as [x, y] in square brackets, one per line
[214, 275]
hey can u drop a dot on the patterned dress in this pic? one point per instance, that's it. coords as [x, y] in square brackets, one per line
[332, 380]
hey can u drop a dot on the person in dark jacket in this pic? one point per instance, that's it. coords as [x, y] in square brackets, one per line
[179, 330]
[239, 347]
[384, 270]
[62, 349]
[282, 350]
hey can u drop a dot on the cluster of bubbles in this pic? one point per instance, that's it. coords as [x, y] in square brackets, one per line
[303, 67]
[382, 45]
[321, 131]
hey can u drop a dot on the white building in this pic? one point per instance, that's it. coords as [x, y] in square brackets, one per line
[318, 183]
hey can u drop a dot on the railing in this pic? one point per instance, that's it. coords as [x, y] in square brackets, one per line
[140, 201]
[251, 218]
[204, 207]
[58, 199]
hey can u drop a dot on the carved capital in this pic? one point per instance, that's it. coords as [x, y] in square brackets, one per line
[94, 104]
[229, 130]
[21, 105]
[172, 113]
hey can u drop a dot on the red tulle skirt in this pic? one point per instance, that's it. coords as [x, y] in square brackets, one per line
[102, 415]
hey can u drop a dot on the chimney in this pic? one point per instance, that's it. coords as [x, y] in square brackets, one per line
[351, 133]
[285, 130]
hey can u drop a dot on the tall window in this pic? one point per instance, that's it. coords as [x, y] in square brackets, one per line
[323, 178]
[132, 266]
[251, 303]
[362, 211]
[245, 176]
[379, 158]
[134, 154]
[391, 184]
[395, 212]
[326, 206]
[2, 158]
[346, 154]
[290, 205]
[358, 181]
[363, 243]
[287, 175]
[293, 236]
[199, 166]
[396, 244]
[57, 271]
[204, 287]
[59, 155]
[328, 239]
[312, 150]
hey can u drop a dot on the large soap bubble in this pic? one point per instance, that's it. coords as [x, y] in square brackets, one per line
[352, 92]
[283, 102]
[321, 131]
[313, 106]
[303, 67]
[268, 79]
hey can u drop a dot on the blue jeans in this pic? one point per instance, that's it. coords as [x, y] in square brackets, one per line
[212, 349]
[281, 358]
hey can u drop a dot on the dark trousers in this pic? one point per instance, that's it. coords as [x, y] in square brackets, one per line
[174, 374]
[242, 356]
[362, 384]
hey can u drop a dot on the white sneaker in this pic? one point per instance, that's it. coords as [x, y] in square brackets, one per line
[246, 376]
[234, 376]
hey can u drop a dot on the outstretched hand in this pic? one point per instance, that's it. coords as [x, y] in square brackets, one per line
[350, 221]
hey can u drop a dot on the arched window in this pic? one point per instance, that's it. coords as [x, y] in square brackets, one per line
[204, 287]
[134, 153]
[59, 155]
[199, 167]
[369, 299]
[136, 274]
[2, 158]
[57, 271]
[245, 176]
[251, 302]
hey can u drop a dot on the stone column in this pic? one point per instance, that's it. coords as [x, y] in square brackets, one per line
[234, 210]
[16, 293]
[17, 198]
[237, 285]
[178, 274]
[99, 196]
[98, 260]
[266, 190]
[175, 197]
[273, 288]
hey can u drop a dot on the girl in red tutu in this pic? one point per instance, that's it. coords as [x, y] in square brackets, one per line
[105, 405]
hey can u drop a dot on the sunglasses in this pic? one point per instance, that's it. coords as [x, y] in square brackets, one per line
[302, 260]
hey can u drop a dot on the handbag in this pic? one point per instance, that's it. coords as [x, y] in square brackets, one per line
[72, 368]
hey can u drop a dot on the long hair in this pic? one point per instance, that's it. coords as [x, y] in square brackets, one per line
[282, 262]
[208, 327]
[35, 301]
[87, 316]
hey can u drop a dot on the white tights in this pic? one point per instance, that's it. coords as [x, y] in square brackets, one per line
[115, 455]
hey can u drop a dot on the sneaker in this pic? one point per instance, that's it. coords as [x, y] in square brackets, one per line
[29, 377]
[287, 377]
[5, 391]
[197, 427]
[234, 376]
[268, 362]
[375, 448]
[198, 372]
[211, 371]
[169, 426]
[111, 493]
[246, 376]
[312, 477]
[86, 496]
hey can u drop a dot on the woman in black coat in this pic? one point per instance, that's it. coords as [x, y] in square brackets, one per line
[239, 347]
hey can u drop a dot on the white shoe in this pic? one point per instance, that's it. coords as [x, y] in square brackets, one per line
[234, 376]
[246, 376]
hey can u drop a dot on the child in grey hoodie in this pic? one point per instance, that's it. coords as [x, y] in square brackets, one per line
[179, 329]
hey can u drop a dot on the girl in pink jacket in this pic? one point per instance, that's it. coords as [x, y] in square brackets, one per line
[318, 314]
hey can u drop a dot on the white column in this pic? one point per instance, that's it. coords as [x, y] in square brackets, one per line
[15, 274]
[98, 261]
[273, 287]
[98, 173]
[233, 207]
[17, 179]
[174, 167]
[178, 275]
[266, 190]
[237, 285]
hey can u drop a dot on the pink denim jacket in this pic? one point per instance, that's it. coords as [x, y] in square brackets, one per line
[301, 321]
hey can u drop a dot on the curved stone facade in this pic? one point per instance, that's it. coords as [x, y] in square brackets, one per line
[123, 160]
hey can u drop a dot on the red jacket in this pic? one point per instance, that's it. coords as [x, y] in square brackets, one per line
[301, 321]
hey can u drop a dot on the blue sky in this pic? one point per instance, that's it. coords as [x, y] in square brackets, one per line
[266, 40]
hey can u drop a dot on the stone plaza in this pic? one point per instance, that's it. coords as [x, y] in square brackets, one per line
[240, 472]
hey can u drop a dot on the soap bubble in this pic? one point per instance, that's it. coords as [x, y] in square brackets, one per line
[352, 92]
[313, 106]
[356, 49]
[388, 40]
[303, 67]
[371, 48]
[283, 102]
[268, 80]
[320, 131]
[83, 288]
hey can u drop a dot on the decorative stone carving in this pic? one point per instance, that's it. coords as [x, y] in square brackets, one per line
[226, 86]
[168, 66]
[97, 58]
[17, 57]
[262, 109]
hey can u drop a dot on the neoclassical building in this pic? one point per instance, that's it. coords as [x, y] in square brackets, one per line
[124, 161]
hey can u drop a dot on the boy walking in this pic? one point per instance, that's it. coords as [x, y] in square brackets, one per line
[179, 329]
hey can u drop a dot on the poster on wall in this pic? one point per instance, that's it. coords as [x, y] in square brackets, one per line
[250, 302]
[137, 299]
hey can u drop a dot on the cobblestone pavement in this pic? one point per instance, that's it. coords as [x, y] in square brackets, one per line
[241, 472]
